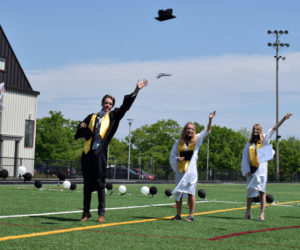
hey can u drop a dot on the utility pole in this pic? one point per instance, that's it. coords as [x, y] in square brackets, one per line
[277, 45]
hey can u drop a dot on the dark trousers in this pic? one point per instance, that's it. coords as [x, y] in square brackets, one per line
[87, 197]
[94, 180]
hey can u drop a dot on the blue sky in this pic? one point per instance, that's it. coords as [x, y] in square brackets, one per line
[74, 52]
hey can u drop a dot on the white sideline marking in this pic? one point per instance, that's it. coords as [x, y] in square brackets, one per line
[112, 208]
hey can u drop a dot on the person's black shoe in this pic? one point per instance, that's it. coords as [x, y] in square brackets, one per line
[177, 217]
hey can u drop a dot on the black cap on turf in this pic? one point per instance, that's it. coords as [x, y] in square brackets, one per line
[109, 186]
[38, 183]
[201, 193]
[3, 173]
[153, 190]
[269, 198]
[168, 192]
[27, 176]
[164, 15]
[61, 176]
[73, 186]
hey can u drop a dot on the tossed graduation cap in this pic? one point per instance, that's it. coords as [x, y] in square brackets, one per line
[164, 15]
[27, 176]
[109, 186]
[73, 186]
[3, 173]
[38, 183]
[269, 198]
[162, 74]
[153, 190]
[168, 192]
[61, 176]
[256, 199]
[201, 193]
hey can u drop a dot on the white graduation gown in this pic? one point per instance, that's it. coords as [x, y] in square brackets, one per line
[257, 182]
[186, 183]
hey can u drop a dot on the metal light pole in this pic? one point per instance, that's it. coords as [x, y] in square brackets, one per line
[277, 45]
[128, 168]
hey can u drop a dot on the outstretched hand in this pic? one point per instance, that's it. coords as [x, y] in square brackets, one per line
[212, 114]
[277, 125]
[287, 116]
[141, 84]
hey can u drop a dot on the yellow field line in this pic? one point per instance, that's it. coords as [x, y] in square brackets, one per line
[121, 223]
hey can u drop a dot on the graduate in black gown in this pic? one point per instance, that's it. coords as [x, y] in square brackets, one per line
[98, 129]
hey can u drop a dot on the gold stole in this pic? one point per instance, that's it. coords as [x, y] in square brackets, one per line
[253, 154]
[102, 131]
[183, 165]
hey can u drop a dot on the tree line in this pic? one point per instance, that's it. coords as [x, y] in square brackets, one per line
[151, 145]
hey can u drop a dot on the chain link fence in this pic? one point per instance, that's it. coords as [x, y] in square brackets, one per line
[49, 168]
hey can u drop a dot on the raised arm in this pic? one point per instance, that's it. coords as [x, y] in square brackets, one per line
[129, 99]
[140, 84]
[287, 116]
[211, 116]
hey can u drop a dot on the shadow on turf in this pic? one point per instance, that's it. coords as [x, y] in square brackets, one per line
[291, 217]
[223, 217]
[147, 217]
[55, 218]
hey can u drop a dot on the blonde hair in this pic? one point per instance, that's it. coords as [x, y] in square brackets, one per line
[182, 136]
[261, 136]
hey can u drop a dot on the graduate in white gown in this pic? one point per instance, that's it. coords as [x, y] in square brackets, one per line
[183, 159]
[257, 173]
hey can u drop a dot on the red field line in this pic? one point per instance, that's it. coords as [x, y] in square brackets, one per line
[250, 232]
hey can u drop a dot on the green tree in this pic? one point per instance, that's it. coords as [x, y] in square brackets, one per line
[289, 159]
[118, 150]
[55, 138]
[154, 142]
[225, 149]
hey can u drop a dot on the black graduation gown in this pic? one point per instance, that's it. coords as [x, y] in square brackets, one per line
[93, 164]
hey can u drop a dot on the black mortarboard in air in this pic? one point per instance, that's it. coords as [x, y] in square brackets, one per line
[164, 15]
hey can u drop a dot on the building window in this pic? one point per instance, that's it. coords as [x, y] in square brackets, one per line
[2, 64]
[29, 128]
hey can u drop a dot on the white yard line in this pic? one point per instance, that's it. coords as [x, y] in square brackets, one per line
[80, 211]
[120, 208]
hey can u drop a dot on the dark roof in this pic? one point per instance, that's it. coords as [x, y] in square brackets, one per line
[13, 76]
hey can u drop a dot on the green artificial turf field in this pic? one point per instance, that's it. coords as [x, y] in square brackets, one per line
[49, 219]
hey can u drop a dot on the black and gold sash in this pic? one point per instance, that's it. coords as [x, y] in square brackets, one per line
[253, 156]
[102, 131]
[183, 165]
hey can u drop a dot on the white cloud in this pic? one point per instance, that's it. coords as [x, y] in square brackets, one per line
[240, 87]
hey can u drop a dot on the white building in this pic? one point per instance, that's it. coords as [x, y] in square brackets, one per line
[17, 113]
